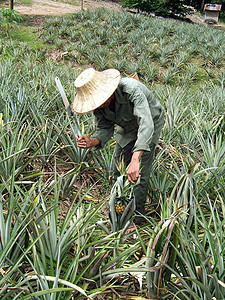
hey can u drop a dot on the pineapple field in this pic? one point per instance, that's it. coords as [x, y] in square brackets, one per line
[58, 239]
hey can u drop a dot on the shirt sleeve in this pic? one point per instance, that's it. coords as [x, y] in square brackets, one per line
[105, 129]
[144, 119]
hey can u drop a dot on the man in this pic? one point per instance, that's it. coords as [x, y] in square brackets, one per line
[139, 117]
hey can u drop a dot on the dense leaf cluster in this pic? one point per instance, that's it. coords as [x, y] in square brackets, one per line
[159, 7]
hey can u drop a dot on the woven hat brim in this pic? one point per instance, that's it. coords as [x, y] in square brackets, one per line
[94, 93]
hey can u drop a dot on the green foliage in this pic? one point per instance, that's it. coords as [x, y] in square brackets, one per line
[31, 240]
[8, 18]
[104, 161]
[31, 38]
[16, 144]
[121, 195]
[52, 242]
[158, 7]
[200, 269]
[164, 51]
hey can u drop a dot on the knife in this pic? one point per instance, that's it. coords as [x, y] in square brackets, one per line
[67, 105]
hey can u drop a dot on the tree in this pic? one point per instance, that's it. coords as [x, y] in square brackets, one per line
[11, 4]
[159, 7]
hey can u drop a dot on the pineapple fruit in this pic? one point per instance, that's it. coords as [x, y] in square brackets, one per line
[123, 193]
[120, 204]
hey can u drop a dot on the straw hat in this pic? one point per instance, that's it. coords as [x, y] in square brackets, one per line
[94, 88]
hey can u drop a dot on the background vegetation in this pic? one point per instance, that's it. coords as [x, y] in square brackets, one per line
[178, 8]
[56, 242]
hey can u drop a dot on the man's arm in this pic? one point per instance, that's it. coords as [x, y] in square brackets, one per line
[145, 132]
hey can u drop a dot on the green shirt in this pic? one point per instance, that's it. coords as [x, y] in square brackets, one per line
[138, 115]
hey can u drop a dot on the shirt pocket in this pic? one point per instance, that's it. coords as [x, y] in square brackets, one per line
[128, 123]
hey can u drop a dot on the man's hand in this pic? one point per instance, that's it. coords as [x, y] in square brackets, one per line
[134, 167]
[85, 142]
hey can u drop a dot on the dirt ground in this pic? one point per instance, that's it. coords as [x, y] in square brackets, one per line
[56, 8]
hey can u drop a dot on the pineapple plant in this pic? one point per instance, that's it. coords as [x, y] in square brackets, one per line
[121, 203]
[124, 194]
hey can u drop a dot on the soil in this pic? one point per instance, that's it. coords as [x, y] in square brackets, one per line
[56, 8]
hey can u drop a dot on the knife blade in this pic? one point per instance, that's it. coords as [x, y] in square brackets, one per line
[67, 105]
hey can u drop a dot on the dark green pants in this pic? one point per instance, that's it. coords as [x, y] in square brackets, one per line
[140, 190]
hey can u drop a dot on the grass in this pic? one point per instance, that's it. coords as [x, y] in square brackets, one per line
[31, 38]
[25, 2]
[71, 2]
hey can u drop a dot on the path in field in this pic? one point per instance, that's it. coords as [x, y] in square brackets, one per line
[54, 8]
